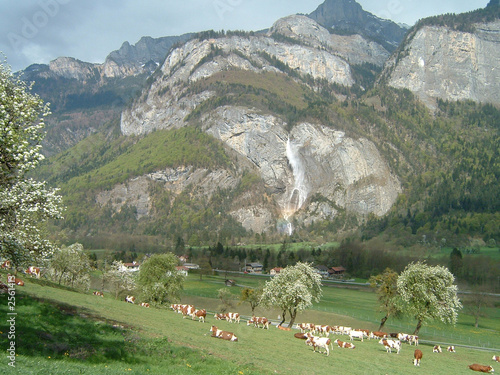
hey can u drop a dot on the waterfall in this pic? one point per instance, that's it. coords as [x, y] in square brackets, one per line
[299, 192]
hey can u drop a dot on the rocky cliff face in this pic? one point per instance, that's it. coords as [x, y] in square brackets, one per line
[349, 16]
[311, 171]
[452, 65]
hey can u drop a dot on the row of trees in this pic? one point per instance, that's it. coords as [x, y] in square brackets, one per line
[420, 291]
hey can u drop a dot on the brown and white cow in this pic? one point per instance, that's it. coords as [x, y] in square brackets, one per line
[378, 334]
[343, 344]
[130, 299]
[220, 316]
[437, 349]
[481, 368]
[99, 294]
[7, 264]
[257, 321]
[279, 326]
[323, 329]
[391, 344]
[413, 339]
[319, 342]
[306, 327]
[33, 271]
[187, 310]
[496, 358]
[11, 279]
[356, 334]
[144, 304]
[451, 349]
[233, 317]
[300, 335]
[417, 355]
[229, 336]
[200, 314]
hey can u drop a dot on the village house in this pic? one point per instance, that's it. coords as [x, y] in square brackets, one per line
[253, 267]
[322, 270]
[192, 266]
[337, 272]
[183, 270]
[275, 271]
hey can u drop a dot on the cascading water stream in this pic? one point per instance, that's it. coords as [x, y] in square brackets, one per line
[299, 192]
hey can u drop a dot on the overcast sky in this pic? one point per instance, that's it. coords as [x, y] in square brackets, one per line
[38, 31]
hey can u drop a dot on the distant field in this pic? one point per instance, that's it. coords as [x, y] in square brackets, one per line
[68, 334]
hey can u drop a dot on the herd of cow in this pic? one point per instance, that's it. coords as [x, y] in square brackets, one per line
[314, 335]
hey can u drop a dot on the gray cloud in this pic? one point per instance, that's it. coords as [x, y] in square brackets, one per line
[37, 31]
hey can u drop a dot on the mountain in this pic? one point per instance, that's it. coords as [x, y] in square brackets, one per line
[450, 57]
[238, 136]
[85, 96]
[347, 16]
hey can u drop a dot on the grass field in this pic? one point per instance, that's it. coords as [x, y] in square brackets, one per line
[61, 331]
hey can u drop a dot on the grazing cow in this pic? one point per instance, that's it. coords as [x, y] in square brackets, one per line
[451, 349]
[220, 316]
[14, 280]
[33, 271]
[300, 335]
[496, 358]
[391, 344]
[7, 264]
[346, 345]
[413, 339]
[323, 329]
[356, 334]
[403, 337]
[130, 299]
[99, 294]
[187, 310]
[229, 336]
[319, 342]
[256, 321]
[481, 368]
[306, 326]
[283, 328]
[144, 304]
[378, 334]
[230, 317]
[418, 356]
[200, 314]
[437, 349]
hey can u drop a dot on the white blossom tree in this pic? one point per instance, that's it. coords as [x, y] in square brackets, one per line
[293, 290]
[119, 278]
[71, 266]
[25, 204]
[159, 280]
[428, 293]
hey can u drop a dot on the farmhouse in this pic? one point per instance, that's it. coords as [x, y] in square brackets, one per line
[275, 271]
[253, 267]
[192, 266]
[336, 272]
[322, 270]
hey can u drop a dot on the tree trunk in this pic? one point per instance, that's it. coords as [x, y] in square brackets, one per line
[283, 318]
[293, 315]
[476, 324]
[419, 325]
[382, 322]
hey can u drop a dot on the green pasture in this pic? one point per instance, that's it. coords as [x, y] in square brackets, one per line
[60, 331]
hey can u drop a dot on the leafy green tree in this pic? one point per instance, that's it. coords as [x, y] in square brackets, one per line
[159, 279]
[119, 278]
[428, 293]
[293, 290]
[386, 286]
[252, 296]
[25, 204]
[226, 303]
[71, 266]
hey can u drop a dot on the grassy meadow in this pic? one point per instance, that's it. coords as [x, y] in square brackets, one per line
[60, 331]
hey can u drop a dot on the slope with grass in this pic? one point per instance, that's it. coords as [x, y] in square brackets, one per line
[63, 331]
